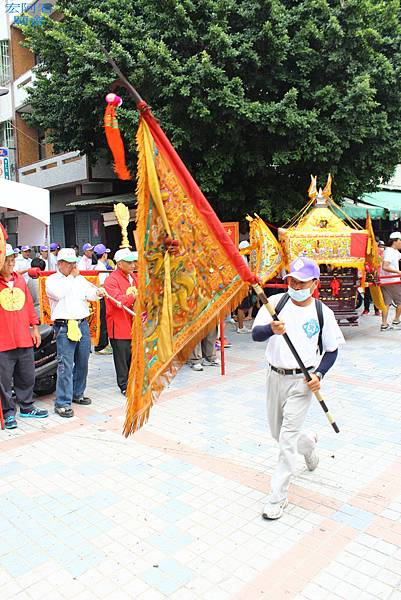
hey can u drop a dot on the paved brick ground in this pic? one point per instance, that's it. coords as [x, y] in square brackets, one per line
[174, 511]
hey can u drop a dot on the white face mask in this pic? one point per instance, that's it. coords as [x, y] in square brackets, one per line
[299, 295]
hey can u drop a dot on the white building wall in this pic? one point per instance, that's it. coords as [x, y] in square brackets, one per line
[395, 181]
[4, 18]
[21, 86]
[6, 108]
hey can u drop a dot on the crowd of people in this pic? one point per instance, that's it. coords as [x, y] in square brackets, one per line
[310, 324]
[68, 292]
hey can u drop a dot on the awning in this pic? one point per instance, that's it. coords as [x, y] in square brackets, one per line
[357, 210]
[124, 198]
[28, 199]
[390, 201]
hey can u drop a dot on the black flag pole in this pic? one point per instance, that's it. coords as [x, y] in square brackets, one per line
[263, 298]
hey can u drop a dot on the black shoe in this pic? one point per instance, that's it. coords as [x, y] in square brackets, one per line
[34, 413]
[10, 422]
[84, 400]
[64, 411]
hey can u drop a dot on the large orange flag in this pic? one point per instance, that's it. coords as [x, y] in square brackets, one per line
[189, 270]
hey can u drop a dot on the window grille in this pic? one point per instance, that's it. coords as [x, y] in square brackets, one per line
[6, 135]
[5, 73]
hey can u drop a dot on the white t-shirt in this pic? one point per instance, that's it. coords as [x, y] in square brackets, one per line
[21, 264]
[85, 264]
[104, 271]
[302, 327]
[392, 256]
[68, 296]
[52, 262]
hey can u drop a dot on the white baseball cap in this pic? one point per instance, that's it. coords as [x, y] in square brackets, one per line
[396, 235]
[9, 250]
[126, 254]
[67, 254]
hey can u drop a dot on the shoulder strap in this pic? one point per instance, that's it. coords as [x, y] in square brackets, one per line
[281, 303]
[319, 310]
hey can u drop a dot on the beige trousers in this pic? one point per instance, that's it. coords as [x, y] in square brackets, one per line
[288, 399]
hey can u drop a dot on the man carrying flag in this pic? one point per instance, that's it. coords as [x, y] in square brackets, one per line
[189, 270]
[122, 285]
[312, 327]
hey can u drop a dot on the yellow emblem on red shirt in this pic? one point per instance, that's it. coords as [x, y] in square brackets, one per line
[132, 290]
[12, 299]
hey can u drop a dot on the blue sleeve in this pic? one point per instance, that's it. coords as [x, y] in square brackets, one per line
[261, 333]
[328, 360]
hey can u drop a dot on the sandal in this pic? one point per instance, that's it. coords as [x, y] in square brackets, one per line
[385, 328]
[64, 411]
[83, 400]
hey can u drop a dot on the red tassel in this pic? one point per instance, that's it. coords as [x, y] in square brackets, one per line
[335, 287]
[115, 142]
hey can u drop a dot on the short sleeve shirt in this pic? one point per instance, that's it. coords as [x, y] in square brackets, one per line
[392, 256]
[302, 327]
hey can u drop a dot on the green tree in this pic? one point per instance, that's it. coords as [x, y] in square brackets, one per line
[255, 94]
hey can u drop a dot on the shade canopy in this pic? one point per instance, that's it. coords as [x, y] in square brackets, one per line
[26, 199]
[124, 198]
[387, 200]
[357, 210]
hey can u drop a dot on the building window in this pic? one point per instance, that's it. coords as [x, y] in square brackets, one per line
[5, 74]
[7, 141]
[6, 134]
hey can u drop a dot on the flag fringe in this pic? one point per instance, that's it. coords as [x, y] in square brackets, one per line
[137, 415]
[135, 420]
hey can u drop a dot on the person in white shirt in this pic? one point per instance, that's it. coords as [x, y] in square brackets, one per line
[52, 260]
[313, 329]
[23, 262]
[86, 263]
[391, 293]
[44, 255]
[68, 294]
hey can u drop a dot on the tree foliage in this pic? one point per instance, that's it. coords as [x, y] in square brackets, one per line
[254, 94]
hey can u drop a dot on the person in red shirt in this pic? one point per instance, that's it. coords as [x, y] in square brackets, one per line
[121, 285]
[18, 334]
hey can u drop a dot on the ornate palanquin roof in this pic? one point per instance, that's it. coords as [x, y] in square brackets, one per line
[318, 233]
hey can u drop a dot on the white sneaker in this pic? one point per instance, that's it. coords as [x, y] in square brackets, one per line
[311, 456]
[210, 363]
[311, 460]
[274, 511]
[196, 367]
[243, 330]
